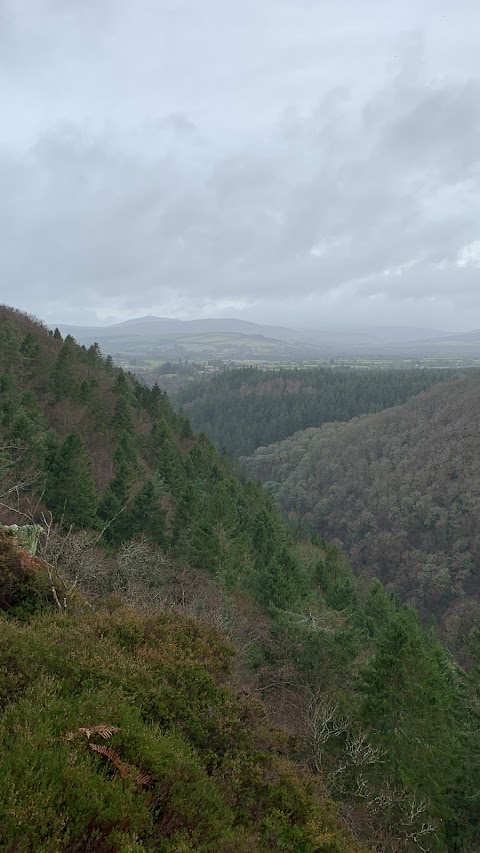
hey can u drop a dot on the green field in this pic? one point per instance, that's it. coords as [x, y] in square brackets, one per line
[156, 349]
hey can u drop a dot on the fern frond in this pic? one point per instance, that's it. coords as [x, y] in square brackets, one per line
[112, 756]
[126, 771]
[142, 779]
[104, 731]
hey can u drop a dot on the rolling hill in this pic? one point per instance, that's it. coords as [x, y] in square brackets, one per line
[401, 491]
[164, 338]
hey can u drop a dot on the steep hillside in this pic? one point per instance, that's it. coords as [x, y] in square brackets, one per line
[121, 732]
[89, 444]
[400, 489]
[168, 616]
[247, 408]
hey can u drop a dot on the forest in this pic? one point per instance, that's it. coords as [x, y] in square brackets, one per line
[400, 491]
[251, 407]
[178, 670]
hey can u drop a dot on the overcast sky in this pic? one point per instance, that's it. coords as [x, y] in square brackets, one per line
[304, 162]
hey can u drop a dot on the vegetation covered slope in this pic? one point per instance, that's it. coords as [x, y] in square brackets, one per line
[247, 408]
[377, 717]
[99, 450]
[400, 489]
[121, 732]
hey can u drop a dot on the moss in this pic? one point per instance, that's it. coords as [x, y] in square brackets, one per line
[24, 586]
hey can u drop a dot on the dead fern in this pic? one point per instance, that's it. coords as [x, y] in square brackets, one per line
[142, 779]
[112, 756]
[104, 731]
[126, 771]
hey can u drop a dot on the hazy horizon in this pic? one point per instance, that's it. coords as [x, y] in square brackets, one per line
[290, 163]
[306, 328]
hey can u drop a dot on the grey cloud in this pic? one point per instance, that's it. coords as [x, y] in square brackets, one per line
[355, 196]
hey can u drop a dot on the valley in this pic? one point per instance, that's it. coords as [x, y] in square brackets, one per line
[232, 679]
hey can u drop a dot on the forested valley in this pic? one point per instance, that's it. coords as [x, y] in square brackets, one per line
[178, 670]
[400, 491]
[245, 408]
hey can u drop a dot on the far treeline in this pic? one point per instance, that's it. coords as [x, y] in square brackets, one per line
[400, 490]
[177, 673]
[247, 408]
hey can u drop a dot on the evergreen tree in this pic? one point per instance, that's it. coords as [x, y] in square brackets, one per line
[71, 493]
[122, 414]
[65, 378]
[167, 457]
[114, 502]
[146, 515]
[407, 699]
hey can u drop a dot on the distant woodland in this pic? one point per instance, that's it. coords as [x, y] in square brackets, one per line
[180, 672]
[247, 408]
[401, 491]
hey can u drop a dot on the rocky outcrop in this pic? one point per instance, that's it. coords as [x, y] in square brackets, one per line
[27, 535]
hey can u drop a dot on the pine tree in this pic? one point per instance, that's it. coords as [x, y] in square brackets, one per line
[71, 492]
[65, 379]
[146, 515]
[112, 509]
[407, 706]
[167, 458]
[122, 415]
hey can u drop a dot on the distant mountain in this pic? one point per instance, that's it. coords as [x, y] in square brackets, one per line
[461, 344]
[329, 341]
[374, 335]
[149, 326]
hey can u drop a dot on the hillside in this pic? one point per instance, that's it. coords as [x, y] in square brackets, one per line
[400, 490]
[133, 740]
[466, 344]
[142, 340]
[176, 672]
[243, 409]
[172, 326]
[144, 352]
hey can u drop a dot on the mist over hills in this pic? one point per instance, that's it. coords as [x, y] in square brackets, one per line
[237, 339]
[169, 326]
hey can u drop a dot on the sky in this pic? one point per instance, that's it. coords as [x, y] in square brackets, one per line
[307, 163]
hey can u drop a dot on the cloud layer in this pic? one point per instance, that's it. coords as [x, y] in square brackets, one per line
[301, 163]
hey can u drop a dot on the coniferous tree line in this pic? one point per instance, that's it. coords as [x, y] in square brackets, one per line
[246, 408]
[378, 712]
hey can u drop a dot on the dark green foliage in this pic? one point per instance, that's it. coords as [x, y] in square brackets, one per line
[146, 515]
[71, 492]
[247, 408]
[122, 419]
[24, 587]
[407, 697]
[399, 490]
[65, 379]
